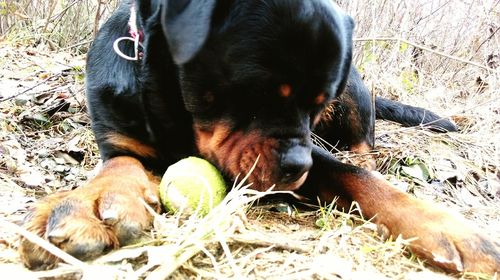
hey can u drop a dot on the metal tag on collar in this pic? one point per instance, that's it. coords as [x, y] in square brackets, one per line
[137, 44]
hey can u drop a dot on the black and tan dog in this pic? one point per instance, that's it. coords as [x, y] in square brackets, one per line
[229, 81]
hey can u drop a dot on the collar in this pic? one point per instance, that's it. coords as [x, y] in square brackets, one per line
[134, 32]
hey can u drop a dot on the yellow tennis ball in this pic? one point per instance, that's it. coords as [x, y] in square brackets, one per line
[192, 186]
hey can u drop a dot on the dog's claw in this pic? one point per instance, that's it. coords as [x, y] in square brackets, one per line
[454, 264]
[109, 217]
[57, 237]
[455, 247]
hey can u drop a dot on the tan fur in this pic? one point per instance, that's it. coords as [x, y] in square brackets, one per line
[130, 144]
[119, 186]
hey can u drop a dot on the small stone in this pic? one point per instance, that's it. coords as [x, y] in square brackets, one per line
[21, 100]
[42, 153]
[61, 168]
[48, 164]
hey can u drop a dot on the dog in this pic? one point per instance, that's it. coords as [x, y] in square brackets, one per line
[233, 81]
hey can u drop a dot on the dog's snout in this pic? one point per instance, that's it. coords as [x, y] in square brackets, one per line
[294, 163]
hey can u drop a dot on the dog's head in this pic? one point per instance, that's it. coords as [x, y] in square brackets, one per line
[256, 77]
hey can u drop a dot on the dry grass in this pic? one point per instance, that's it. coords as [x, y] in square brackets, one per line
[439, 54]
[56, 24]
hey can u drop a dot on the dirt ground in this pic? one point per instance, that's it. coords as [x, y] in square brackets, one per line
[46, 146]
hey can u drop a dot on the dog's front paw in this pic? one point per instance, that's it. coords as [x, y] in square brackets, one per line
[446, 241]
[457, 248]
[89, 221]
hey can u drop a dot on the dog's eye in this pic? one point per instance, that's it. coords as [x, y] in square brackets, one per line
[320, 98]
[209, 97]
[285, 90]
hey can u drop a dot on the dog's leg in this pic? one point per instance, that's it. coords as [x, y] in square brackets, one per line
[442, 238]
[104, 214]
[350, 119]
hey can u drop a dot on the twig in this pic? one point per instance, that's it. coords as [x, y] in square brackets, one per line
[97, 18]
[396, 39]
[63, 11]
[52, 7]
[76, 45]
[265, 241]
[430, 15]
[59, 273]
[487, 39]
[30, 88]
[59, 18]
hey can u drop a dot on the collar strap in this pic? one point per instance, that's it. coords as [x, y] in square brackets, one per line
[134, 32]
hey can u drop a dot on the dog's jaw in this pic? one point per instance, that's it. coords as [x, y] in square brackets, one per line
[292, 186]
[237, 154]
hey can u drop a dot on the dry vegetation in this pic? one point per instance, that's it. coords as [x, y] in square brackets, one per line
[439, 54]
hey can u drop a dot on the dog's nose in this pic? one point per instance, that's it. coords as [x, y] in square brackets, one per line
[294, 163]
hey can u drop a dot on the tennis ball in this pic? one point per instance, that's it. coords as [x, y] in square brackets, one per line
[192, 186]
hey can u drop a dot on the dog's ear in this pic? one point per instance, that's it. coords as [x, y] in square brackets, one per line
[186, 24]
[345, 31]
[349, 28]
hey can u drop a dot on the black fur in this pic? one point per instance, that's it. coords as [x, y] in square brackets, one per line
[411, 116]
[238, 53]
